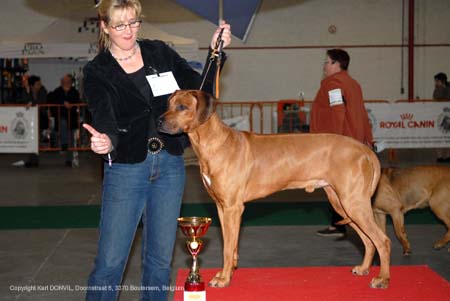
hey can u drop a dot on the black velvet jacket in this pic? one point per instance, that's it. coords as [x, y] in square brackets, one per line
[121, 111]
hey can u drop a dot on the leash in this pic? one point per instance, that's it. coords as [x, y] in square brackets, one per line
[216, 54]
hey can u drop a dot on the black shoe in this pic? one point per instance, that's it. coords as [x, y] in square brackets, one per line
[330, 232]
[443, 160]
[31, 164]
[68, 164]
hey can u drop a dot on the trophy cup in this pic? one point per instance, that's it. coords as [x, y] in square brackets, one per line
[193, 228]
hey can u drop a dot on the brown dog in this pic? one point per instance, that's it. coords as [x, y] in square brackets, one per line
[237, 167]
[401, 190]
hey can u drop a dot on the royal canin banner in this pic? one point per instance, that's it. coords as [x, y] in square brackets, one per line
[410, 125]
[18, 130]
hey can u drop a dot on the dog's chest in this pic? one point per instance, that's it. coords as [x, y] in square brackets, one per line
[205, 174]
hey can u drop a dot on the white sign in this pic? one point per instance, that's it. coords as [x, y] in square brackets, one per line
[162, 83]
[18, 130]
[410, 125]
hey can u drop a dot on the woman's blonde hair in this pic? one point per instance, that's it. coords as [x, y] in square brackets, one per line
[105, 9]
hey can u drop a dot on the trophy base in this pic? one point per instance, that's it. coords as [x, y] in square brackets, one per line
[194, 286]
[194, 291]
[194, 296]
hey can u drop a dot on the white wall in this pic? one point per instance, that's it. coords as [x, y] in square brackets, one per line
[276, 73]
[52, 70]
[265, 74]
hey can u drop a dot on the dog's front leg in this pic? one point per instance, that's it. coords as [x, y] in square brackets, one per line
[230, 220]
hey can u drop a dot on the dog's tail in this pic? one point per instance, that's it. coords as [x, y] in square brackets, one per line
[376, 171]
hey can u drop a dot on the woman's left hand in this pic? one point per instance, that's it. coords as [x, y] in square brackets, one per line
[100, 143]
[226, 35]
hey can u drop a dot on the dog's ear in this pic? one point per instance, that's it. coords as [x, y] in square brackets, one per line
[205, 105]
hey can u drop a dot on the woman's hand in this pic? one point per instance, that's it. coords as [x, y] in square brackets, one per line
[100, 143]
[226, 35]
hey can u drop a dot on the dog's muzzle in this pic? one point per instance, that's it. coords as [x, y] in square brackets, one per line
[155, 145]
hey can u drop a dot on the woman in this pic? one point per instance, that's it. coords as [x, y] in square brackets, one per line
[127, 86]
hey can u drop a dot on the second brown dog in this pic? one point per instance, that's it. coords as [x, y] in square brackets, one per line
[401, 190]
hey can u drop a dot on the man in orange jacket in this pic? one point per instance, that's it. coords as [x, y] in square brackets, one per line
[339, 109]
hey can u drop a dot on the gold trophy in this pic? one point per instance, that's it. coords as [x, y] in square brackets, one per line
[193, 228]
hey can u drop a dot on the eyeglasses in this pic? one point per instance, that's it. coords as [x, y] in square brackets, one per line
[132, 24]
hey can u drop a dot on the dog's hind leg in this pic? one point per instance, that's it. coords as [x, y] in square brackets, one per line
[362, 216]
[372, 236]
[230, 220]
[380, 219]
[362, 269]
[440, 205]
[334, 201]
[369, 252]
[369, 248]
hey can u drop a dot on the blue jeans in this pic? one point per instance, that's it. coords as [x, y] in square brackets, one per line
[152, 189]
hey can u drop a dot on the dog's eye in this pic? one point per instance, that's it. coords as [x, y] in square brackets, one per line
[181, 107]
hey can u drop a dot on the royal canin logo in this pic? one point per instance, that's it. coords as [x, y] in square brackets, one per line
[407, 116]
[407, 121]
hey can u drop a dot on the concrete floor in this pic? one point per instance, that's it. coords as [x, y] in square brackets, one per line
[54, 264]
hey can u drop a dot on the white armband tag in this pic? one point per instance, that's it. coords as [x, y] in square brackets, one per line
[335, 97]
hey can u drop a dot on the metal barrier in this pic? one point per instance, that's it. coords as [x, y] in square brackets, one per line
[272, 117]
[265, 117]
[60, 127]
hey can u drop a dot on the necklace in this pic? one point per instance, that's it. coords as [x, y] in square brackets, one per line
[120, 59]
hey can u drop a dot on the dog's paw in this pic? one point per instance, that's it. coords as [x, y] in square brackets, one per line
[407, 253]
[379, 282]
[439, 245]
[358, 270]
[219, 281]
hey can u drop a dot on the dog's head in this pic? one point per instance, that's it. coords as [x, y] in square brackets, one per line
[187, 110]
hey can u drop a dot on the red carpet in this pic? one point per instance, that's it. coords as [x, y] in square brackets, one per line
[409, 283]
